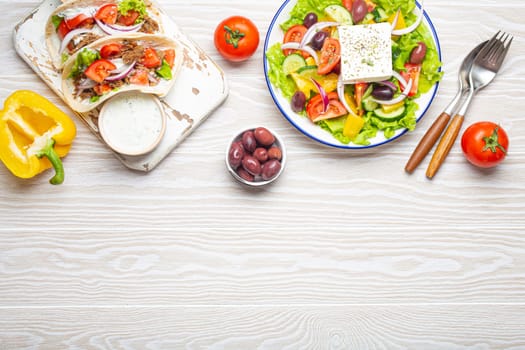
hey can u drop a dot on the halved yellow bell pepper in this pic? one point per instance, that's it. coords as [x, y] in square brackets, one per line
[34, 134]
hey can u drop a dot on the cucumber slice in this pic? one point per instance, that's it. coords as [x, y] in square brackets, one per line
[396, 114]
[370, 105]
[292, 63]
[307, 70]
[339, 14]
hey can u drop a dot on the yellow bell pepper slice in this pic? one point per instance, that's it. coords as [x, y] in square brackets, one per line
[34, 134]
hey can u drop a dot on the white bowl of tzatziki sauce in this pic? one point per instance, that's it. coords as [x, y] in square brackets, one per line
[132, 123]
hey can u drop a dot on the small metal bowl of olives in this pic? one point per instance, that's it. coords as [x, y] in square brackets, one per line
[256, 156]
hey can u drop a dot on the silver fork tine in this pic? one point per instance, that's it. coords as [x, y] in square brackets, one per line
[494, 55]
[504, 53]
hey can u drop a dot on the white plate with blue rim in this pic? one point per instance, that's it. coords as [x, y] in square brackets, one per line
[312, 130]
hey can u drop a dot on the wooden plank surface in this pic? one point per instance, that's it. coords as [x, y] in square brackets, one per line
[344, 251]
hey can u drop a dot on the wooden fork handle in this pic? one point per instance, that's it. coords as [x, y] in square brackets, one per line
[427, 142]
[445, 144]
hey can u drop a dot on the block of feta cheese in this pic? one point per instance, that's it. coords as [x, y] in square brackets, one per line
[366, 52]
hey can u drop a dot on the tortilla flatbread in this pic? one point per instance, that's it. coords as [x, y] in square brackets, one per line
[85, 87]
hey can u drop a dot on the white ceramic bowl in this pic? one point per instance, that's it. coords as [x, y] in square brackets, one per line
[303, 124]
[132, 123]
[258, 180]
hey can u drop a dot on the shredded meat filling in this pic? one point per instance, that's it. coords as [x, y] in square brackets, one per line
[85, 39]
[149, 26]
[131, 52]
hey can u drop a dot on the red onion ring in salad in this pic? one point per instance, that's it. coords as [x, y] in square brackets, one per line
[414, 25]
[397, 99]
[314, 29]
[322, 93]
[341, 95]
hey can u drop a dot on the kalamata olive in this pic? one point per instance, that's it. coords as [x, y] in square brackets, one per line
[245, 175]
[318, 40]
[275, 153]
[261, 154]
[418, 53]
[298, 101]
[382, 92]
[263, 136]
[270, 169]
[337, 68]
[310, 19]
[359, 10]
[236, 154]
[248, 141]
[251, 165]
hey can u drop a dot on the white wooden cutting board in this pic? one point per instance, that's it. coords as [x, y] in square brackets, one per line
[199, 89]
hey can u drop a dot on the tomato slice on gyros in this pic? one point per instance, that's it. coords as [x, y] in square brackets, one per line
[110, 50]
[78, 21]
[107, 13]
[129, 19]
[150, 58]
[99, 70]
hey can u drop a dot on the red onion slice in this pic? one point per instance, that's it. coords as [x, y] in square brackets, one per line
[413, 26]
[69, 36]
[127, 29]
[122, 74]
[314, 29]
[397, 99]
[323, 94]
[341, 95]
[388, 84]
[115, 29]
[297, 46]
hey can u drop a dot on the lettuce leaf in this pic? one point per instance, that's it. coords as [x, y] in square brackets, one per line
[136, 5]
[83, 60]
[284, 83]
[303, 7]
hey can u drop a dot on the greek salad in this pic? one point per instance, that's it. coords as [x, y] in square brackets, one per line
[355, 68]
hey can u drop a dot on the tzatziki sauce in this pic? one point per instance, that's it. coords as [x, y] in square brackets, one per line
[132, 123]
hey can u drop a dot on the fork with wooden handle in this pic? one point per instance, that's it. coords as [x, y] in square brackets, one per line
[484, 68]
[432, 135]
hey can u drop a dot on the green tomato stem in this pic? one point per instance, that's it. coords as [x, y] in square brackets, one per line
[232, 37]
[492, 142]
[49, 152]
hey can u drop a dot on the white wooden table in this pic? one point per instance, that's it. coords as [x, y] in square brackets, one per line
[344, 251]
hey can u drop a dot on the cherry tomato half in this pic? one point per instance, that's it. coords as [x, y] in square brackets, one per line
[140, 77]
[236, 38]
[169, 56]
[107, 13]
[330, 56]
[150, 58]
[314, 108]
[412, 72]
[485, 144]
[110, 50]
[99, 70]
[129, 19]
[62, 29]
[78, 21]
[348, 4]
[295, 34]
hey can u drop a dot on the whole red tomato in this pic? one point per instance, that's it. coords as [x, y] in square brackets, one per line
[485, 144]
[236, 38]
